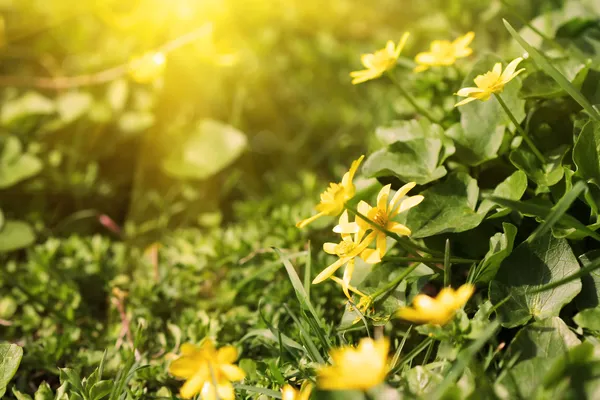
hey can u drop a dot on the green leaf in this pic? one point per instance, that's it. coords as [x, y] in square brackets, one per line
[101, 390]
[15, 235]
[415, 152]
[31, 103]
[544, 175]
[547, 66]
[16, 166]
[211, 148]
[44, 392]
[590, 291]
[540, 85]
[513, 188]
[531, 266]
[72, 105]
[586, 153]
[10, 358]
[501, 245]
[524, 379]
[550, 337]
[480, 133]
[588, 319]
[448, 207]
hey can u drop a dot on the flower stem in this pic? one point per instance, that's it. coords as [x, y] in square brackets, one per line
[522, 131]
[456, 260]
[391, 285]
[412, 100]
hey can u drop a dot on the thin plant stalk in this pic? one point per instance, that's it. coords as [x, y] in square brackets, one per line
[412, 100]
[522, 131]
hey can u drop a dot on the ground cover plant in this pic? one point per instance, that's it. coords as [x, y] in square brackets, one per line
[307, 207]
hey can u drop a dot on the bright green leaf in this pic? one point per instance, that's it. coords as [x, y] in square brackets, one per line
[550, 337]
[15, 235]
[207, 151]
[10, 358]
[501, 245]
[16, 166]
[530, 266]
[589, 319]
[586, 153]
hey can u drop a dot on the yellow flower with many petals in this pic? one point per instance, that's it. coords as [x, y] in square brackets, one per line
[148, 67]
[337, 194]
[359, 368]
[351, 246]
[439, 310]
[444, 52]
[203, 366]
[489, 83]
[289, 393]
[379, 62]
[383, 214]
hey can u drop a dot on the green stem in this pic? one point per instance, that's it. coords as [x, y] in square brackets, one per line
[412, 100]
[391, 285]
[431, 259]
[522, 131]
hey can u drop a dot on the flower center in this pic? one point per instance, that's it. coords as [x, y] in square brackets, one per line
[381, 218]
[344, 248]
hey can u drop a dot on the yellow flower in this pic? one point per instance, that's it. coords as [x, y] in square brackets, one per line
[289, 393]
[202, 366]
[489, 83]
[439, 310]
[444, 52]
[333, 199]
[379, 62]
[383, 214]
[148, 67]
[351, 246]
[357, 368]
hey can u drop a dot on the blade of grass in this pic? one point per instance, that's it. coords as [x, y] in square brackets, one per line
[560, 209]
[254, 389]
[555, 74]
[543, 212]
[402, 343]
[412, 354]
[307, 271]
[308, 342]
[447, 264]
[304, 300]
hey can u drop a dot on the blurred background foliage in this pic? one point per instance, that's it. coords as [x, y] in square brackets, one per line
[86, 138]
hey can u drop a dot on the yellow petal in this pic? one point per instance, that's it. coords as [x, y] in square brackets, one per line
[347, 277]
[194, 385]
[465, 101]
[371, 256]
[426, 58]
[347, 229]
[463, 41]
[330, 270]
[288, 393]
[227, 355]
[420, 68]
[400, 193]
[184, 367]
[399, 229]
[509, 72]
[189, 349]
[307, 221]
[347, 180]
[381, 244]
[401, 44]
[364, 75]
[463, 294]
[329, 247]
[382, 197]
[410, 314]
[367, 60]
[410, 202]
[232, 372]
[468, 91]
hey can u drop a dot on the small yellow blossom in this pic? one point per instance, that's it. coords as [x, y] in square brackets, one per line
[439, 310]
[383, 214]
[289, 393]
[351, 246]
[337, 194]
[379, 62]
[202, 366]
[359, 368]
[147, 68]
[489, 83]
[444, 52]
